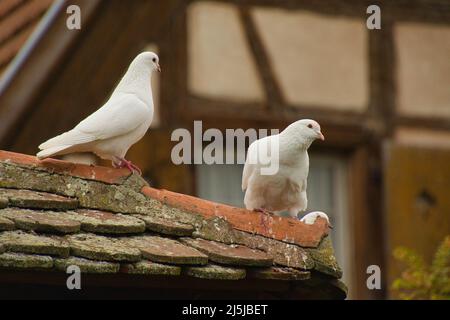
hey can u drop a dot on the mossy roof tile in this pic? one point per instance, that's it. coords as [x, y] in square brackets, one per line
[86, 265]
[324, 259]
[45, 221]
[95, 247]
[3, 202]
[96, 221]
[216, 272]
[12, 260]
[237, 255]
[37, 200]
[146, 267]
[277, 273]
[165, 226]
[25, 242]
[159, 249]
[6, 224]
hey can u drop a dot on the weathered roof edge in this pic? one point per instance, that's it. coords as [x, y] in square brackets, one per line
[288, 230]
[130, 194]
[280, 228]
[96, 173]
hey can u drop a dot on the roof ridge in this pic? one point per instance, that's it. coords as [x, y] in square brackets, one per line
[284, 229]
[84, 171]
[287, 230]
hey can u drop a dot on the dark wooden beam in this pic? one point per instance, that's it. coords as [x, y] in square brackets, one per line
[433, 11]
[263, 62]
[366, 214]
[344, 129]
[434, 123]
[201, 106]
[382, 86]
[174, 78]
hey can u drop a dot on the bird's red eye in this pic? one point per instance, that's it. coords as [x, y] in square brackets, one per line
[310, 126]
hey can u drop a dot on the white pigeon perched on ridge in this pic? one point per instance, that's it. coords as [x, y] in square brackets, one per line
[121, 122]
[285, 190]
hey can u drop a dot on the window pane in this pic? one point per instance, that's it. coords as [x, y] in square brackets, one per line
[220, 183]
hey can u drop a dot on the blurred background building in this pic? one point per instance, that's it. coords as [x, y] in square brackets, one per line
[381, 96]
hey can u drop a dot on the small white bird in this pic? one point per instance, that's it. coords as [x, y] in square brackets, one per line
[118, 124]
[285, 190]
[311, 218]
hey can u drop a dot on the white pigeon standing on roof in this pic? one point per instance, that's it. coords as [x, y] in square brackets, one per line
[285, 189]
[118, 124]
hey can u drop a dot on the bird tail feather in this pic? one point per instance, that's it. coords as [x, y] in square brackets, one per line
[53, 151]
[68, 138]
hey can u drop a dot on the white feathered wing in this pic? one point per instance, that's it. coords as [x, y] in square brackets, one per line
[118, 117]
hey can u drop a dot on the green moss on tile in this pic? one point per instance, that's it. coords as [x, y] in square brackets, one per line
[91, 194]
[165, 226]
[23, 242]
[151, 268]
[165, 250]
[277, 273]
[3, 202]
[37, 200]
[95, 221]
[87, 266]
[216, 229]
[6, 224]
[212, 271]
[325, 260]
[284, 254]
[25, 261]
[43, 221]
[235, 255]
[101, 248]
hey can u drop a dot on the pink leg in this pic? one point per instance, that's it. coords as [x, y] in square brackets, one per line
[123, 163]
[263, 218]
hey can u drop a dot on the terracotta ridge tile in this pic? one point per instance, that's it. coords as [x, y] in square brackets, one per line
[96, 173]
[283, 229]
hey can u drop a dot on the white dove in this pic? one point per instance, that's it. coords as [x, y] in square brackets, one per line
[311, 218]
[285, 190]
[121, 122]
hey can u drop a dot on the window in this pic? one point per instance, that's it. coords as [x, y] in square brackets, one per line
[220, 183]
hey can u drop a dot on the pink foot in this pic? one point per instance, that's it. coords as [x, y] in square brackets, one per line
[123, 163]
[265, 211]
[263, 218]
